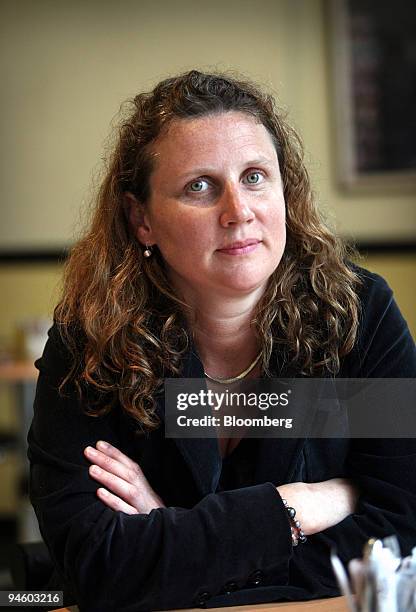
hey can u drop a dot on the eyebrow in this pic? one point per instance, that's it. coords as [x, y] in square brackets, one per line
[208, 170]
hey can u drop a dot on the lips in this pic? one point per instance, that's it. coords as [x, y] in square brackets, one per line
[240, 247]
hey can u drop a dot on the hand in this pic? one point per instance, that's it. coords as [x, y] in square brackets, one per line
[130, 490]
[320, 505]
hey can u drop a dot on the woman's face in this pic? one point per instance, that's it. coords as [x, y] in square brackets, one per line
[216, 210]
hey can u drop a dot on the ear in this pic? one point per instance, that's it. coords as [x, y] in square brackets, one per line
[138, 219]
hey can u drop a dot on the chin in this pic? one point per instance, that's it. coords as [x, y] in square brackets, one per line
[245, 286]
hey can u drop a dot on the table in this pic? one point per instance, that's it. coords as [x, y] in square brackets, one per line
[334, 604]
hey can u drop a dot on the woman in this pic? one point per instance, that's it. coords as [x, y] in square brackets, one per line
[207, 257]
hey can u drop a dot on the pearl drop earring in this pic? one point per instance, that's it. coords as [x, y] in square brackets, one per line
[148, 251]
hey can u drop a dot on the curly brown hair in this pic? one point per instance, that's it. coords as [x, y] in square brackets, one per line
[133, 326]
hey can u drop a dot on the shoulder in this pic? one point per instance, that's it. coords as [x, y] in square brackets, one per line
[60, 355]
[374, 292]
[384, 346]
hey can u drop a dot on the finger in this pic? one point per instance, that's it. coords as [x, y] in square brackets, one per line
[114, 502]
[116, 485]
[115, 453]
[113, 466]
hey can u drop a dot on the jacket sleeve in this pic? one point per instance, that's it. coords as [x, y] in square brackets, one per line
[383, 468]
[171, 558]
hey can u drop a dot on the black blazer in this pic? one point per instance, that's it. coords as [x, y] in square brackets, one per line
[209, 548]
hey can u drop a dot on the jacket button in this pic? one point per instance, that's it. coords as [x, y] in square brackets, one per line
[255, 578]
[229, 587]
[202, 599]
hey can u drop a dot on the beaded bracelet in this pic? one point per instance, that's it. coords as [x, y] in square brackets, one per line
[295, 528]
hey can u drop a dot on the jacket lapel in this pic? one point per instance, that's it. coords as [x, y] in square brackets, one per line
[278, 460]
[204, 461]
[201, 455]
[281, 460]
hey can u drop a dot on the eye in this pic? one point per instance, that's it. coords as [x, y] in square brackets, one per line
[254, 178]
[198, 186]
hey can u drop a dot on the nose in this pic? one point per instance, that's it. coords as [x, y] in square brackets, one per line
[235, 207]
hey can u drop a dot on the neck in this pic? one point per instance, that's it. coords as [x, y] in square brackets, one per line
[224, 335]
